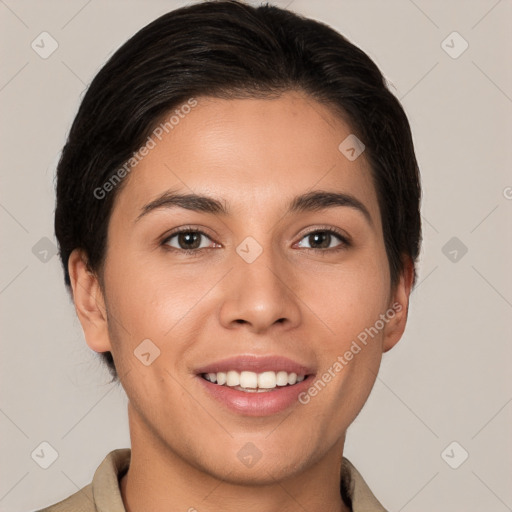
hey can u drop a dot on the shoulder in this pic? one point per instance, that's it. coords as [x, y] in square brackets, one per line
[103, 493]
[361, 496]
[81, 501]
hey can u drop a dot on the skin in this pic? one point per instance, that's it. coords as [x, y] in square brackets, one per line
[255, 155]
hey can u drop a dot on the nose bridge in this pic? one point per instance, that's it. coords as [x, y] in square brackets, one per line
[258, 293]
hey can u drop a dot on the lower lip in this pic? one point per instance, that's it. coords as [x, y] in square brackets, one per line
[256, 404]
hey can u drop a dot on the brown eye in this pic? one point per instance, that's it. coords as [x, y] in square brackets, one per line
[320, 240]
[187, 240]
[324, 239]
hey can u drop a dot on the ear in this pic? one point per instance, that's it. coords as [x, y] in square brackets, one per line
[89, 302]
[399, 303]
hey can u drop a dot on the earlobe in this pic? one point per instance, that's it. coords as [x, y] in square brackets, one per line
[400, 305]
[89, 302]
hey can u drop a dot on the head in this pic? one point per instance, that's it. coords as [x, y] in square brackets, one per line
[305, 237]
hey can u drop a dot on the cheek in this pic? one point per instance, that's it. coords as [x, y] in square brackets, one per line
[357, 298]
[151, 300]
[350, 298]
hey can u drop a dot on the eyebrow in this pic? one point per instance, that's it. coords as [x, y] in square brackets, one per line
[308, 202]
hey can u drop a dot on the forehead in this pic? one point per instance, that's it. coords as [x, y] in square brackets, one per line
[250, 152]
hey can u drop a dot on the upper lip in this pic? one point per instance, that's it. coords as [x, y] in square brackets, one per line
[257, 364]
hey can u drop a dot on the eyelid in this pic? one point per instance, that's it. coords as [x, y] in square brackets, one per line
[330, 229]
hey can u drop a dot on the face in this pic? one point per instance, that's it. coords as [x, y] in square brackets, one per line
[275, 280]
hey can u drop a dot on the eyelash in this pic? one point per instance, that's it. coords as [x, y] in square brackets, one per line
[344, 241]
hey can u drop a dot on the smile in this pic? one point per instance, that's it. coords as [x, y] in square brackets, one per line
[252, 382]
[255, 385]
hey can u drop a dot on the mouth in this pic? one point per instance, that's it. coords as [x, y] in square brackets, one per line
[255, 385]
[252, 382]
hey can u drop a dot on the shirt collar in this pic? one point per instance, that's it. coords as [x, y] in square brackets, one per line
[107, 494]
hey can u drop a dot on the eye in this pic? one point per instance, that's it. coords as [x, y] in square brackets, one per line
[322, 239]
[192, 240]
[187, 240]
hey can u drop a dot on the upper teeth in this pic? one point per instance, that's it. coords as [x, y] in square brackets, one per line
[248, 380]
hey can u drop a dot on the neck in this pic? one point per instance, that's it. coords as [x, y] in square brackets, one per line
[159, 480]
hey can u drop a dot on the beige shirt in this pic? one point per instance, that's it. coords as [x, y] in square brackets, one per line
[103, 493]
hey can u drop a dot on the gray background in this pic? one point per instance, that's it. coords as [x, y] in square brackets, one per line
[448, 379]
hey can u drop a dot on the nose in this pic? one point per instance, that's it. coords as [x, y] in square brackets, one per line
[260, 295]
